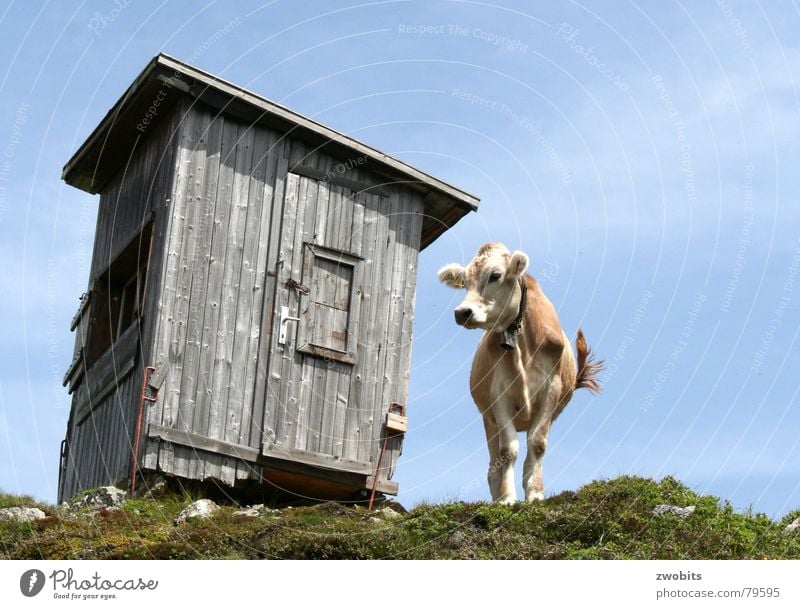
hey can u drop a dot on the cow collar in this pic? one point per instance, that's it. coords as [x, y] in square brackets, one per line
[509, 339]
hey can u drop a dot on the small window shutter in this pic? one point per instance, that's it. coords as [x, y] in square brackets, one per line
[80, 324]
[329, 312]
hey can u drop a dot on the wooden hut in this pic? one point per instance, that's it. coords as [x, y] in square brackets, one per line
[249, 312]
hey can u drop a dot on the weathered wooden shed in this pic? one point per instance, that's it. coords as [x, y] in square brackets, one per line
[250, 303]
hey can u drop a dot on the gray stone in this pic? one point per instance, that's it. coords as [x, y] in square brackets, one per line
[254, 511]
[456, 539]
[102, 497]
[387, 513]
[395, 505]
[153, 486]
[202, 508]
[105, 512]
[792, 526]
[682, 512]
[22, 514]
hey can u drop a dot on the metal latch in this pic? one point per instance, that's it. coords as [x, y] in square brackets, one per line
[298, 287]
[285, 319]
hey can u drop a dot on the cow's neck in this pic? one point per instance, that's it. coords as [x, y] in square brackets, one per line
[509, 336]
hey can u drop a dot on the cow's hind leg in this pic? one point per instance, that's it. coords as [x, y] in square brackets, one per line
[532, 480]
[537, 445]
[492, 442]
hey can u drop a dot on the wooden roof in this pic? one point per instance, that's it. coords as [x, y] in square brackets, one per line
[165, 80]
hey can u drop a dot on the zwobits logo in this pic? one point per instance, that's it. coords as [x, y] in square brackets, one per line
[31, 582]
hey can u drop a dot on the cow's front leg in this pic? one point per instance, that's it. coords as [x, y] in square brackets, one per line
[492, 442]
[508, 449]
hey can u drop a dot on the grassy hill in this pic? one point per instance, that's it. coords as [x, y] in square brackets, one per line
[610, 519]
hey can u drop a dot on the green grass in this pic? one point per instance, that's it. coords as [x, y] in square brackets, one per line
[7, 500]
[610, 519]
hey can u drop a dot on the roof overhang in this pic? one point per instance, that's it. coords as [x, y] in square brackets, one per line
[166, 80]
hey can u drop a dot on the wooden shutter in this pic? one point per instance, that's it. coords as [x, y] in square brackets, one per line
[80, 324]
[329, 312]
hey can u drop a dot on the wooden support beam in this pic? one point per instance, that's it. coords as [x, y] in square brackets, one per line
[193, 440]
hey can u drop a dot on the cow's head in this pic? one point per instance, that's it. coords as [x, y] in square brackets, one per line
[492, 284]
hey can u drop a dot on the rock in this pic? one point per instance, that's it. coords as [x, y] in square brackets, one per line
[101, 497]
[22, 514]
[792, 526]
[387, 513]
[254, 511]
[682, 512]
[456, 539]
[395, 505]
[108, 512]
[202, 508]
[153, 486]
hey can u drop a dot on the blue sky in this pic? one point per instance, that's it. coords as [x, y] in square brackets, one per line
[644, 155]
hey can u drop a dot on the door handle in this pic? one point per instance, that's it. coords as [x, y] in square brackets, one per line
[285, 319]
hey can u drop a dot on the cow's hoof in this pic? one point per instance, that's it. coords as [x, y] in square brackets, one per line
[508, 500]
[535, 496]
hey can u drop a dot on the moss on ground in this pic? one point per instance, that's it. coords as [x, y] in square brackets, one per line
[610, 519]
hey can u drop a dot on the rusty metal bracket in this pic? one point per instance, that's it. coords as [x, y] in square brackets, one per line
[296, 286]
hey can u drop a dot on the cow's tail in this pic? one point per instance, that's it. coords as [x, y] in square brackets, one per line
[589, 367]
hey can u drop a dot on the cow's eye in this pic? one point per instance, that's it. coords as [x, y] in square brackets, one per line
[495, 277]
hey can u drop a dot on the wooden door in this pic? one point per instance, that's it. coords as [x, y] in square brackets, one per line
[319, 290]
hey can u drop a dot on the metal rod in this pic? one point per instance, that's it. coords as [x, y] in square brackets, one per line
[377, 469]
[144, 397]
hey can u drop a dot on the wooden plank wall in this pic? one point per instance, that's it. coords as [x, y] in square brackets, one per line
[240, 218]
[324, 406]
[100, 446]
[228, 175]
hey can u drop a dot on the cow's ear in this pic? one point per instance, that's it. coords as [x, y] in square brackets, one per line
[517, 265]
[453, 275]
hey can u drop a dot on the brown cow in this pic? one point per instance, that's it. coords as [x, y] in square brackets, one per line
[524, 370]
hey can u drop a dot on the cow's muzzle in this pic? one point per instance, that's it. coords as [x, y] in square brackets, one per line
[463, 315]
